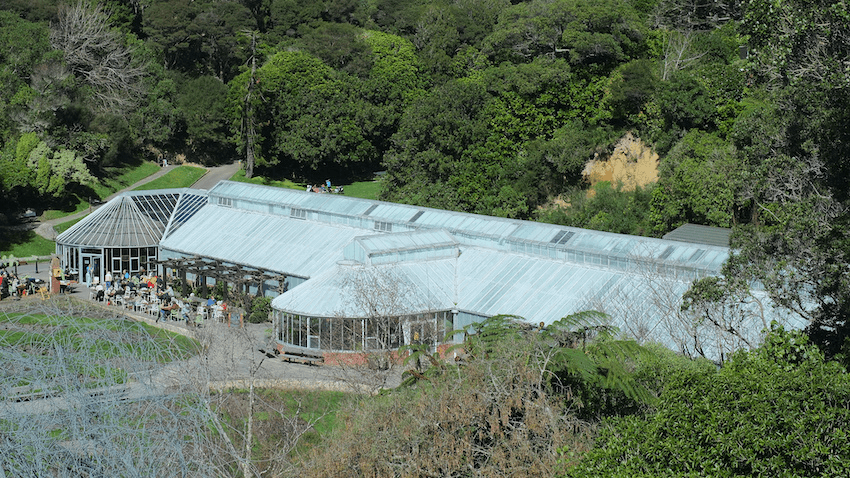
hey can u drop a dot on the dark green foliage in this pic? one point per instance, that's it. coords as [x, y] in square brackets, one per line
[339, 45]
[632, 85]
[607, 208]
[701, 183]
[199, 37]
[202, 108]
[599, 33]
[261, 308]
[482, 144]
[685, 103]
[780, 410]
[307, 114]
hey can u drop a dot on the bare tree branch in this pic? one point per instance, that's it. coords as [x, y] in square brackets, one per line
[99, 55]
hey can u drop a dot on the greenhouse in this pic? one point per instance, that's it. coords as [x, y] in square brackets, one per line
[361, 275]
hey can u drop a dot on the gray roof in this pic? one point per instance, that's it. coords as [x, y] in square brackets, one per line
[527, 237]
[698, 234]
[133, 219]
[261, 241]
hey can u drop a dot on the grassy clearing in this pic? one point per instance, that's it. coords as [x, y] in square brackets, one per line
[286, 183]
[356, 189]
[363, 189]
[121, 178]
[127, 178]
[25, 244]
[179, 177]
[64, 226]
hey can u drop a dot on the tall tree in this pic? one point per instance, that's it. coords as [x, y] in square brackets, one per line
[99, 55]
[308, 113]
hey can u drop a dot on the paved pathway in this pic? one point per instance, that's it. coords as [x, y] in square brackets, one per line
[213, 175]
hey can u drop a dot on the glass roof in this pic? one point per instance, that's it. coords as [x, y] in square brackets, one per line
[133, 219]
[527, 237]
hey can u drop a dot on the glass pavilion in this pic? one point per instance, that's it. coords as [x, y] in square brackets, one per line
[124, 234]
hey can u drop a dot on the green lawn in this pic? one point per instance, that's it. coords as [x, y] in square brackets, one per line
[128, 178]
[64, 226]
[363, 189]
[179, 177]
[240, 176]
[357, 189]
[124, 177]
[25, 244]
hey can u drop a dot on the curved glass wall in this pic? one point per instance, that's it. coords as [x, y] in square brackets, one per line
[344, 334]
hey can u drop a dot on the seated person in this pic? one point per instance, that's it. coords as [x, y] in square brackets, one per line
[98, 292]
[167, 294]
[184, 310]
[165, 310]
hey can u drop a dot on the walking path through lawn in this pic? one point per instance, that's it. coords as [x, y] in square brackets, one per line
[208, 180]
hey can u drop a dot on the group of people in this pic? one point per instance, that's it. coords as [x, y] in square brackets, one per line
[185, 311]
[12, 286]
[325, 188]
[124, 283]
[151, 289]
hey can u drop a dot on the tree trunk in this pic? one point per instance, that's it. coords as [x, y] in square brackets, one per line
[250, 133]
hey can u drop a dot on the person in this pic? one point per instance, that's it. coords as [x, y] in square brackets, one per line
[167, 294]
[108, 279]
[89, 271]
[309, 188]
[98, 292]
[211, 301]
[328, 184]
[185, 310]
[126, 275]
[165, 309]
[110, 295]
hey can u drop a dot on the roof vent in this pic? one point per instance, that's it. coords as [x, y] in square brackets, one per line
[562, 237]
[416, 216]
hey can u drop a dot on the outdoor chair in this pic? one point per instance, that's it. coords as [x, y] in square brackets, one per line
[218, 313]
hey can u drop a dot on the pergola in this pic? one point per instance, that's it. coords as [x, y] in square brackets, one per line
[243, 278]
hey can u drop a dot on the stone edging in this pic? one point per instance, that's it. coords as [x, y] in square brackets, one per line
[277, 384]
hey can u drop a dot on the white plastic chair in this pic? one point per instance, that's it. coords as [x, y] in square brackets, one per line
[218, 313]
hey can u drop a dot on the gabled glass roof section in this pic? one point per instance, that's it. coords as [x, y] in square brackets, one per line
[405, 246]
[190, 202]
[569, 244]
[133, 219]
